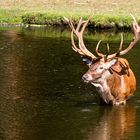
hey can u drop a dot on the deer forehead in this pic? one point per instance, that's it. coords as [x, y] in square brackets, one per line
[105, 64]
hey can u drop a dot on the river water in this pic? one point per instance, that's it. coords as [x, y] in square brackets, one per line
[42, 96]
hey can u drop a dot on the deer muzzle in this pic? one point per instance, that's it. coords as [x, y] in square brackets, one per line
[87, 78]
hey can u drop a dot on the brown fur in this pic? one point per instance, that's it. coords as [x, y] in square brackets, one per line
[114, 82]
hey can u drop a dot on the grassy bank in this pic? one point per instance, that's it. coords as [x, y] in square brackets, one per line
[105, 14]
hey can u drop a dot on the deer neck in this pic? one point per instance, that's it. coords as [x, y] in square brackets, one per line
[104, 89]
[101, 84]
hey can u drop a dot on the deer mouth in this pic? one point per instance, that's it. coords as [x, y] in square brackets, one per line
[86, 81]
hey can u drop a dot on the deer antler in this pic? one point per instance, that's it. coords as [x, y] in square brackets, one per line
[136, 31]
[100, 54]
[78, 31]
[82, 50]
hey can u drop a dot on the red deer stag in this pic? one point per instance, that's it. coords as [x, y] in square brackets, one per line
[110, 74]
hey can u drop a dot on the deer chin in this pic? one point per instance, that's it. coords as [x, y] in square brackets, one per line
[96, 84]
[92, 82]
[86, 81]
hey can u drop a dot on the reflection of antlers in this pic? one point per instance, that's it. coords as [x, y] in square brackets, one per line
[82, 50]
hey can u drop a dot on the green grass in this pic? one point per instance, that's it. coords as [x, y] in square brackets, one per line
[11, 16]
[105, 13]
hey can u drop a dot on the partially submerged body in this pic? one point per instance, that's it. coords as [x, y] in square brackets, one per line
[110, 74]
[119, 85]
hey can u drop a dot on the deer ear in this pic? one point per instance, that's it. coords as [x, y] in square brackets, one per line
[87, 61]
[112, 62]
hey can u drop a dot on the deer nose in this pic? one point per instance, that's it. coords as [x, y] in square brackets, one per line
[86, 77]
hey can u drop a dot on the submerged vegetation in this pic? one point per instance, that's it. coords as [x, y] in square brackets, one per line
[104, 14]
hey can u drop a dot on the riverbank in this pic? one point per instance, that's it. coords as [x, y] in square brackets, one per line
[105, 15]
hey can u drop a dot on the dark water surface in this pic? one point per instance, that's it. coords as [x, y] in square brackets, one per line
[42, 96]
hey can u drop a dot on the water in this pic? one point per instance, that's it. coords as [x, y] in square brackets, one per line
[42, 96]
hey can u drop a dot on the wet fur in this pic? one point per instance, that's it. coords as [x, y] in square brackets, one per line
[117, 85]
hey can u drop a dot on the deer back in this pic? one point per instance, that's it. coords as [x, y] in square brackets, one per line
[122, 82]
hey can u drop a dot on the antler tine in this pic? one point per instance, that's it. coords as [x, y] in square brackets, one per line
[136, 28]
[97, 47]
[119, 50]
[76, 49]
[107, 45]
[79, 24]
[78, 31]
[121, 43]
[69, 21]
[82, 24]
[134, 20]
[136, 31]
[71, 25]
[107, 48]
[81, 42]
[85, 24]
[105, 56]
[74, 46]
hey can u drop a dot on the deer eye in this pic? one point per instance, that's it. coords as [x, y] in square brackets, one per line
[101, 68]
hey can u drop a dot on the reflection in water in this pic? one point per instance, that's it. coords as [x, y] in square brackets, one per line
[115, 123]
[40, 86]
[10, 78]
